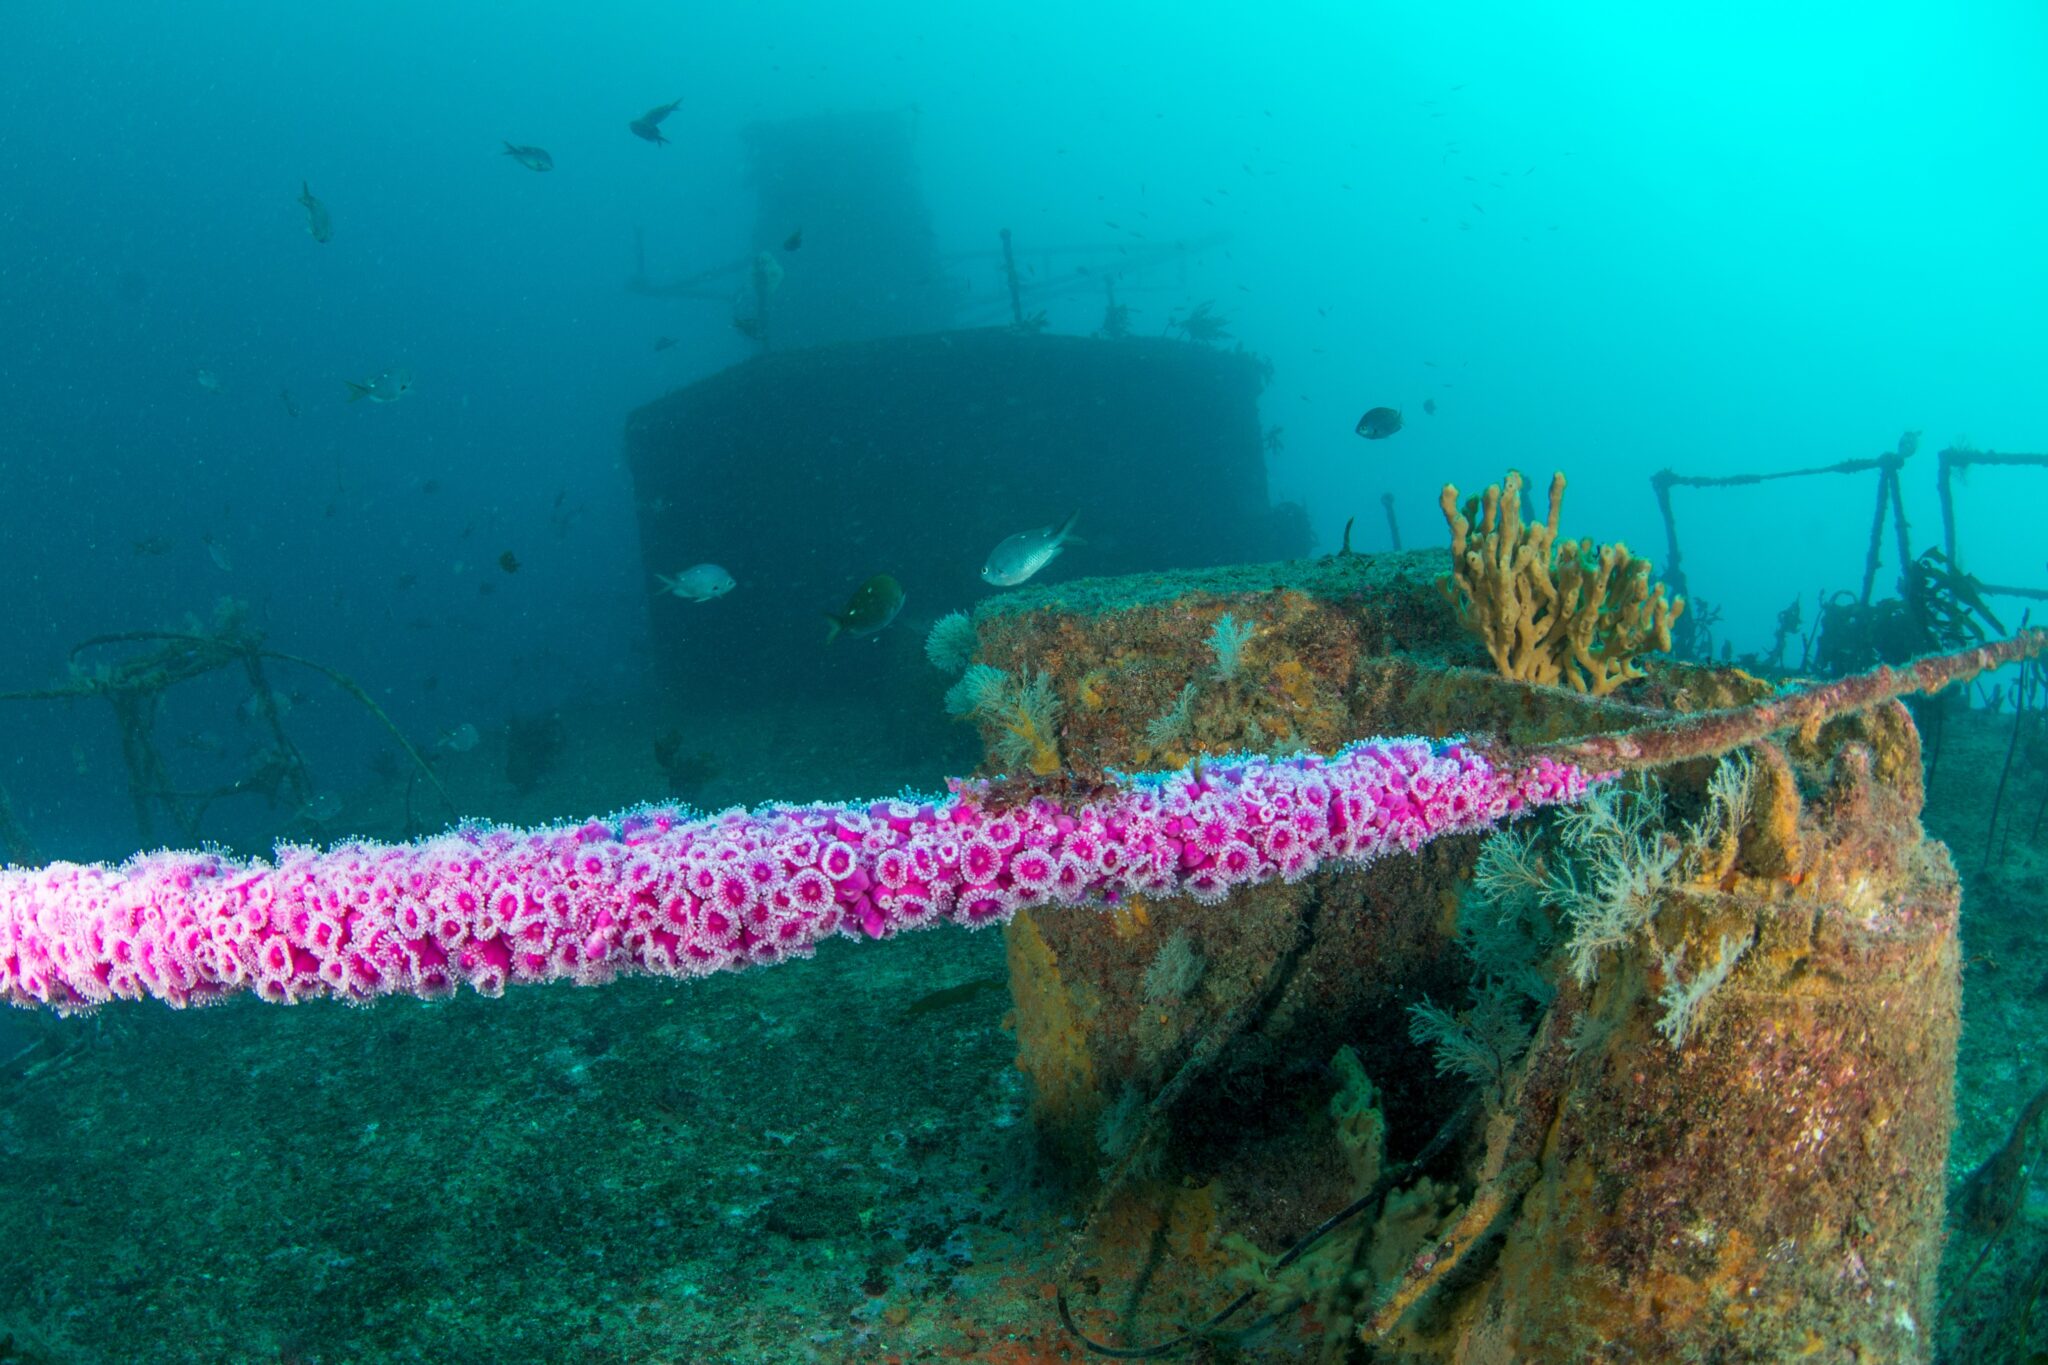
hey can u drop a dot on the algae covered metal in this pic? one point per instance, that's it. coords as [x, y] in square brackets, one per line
[1723, 1135]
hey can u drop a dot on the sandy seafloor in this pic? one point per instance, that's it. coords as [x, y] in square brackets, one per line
[785, 1165]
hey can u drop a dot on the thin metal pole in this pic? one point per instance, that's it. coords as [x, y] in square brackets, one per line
[1872, 554]
[1016, 285]
[1899, 517]
[1943, 462]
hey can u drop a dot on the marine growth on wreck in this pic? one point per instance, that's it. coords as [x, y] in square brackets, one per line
[538, 561]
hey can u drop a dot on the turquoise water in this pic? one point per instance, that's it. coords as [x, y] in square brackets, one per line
[1611, 240]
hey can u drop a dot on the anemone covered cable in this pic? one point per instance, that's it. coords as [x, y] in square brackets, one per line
[661, 893]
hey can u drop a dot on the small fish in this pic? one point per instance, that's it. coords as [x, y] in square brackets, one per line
[207, 380]
[460, 740]
[648, 125]
[509, 562]
[387, 387]
[699, 583]
[218, 552]
[252, 709]
[948, 996]
[319, 222]
[793, 241]
[663, 343]
[406, 580]
[291, 404]
[1025, 553]
[323, 807]
[533, 158]
[748, 327]
[872, 607]
[154, 545]
[1429, 406]
[1379, 423]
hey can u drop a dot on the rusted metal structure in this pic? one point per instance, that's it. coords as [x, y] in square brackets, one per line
[1768, 1186]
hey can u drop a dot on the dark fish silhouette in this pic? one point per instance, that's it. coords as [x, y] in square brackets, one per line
[387, 387]
[533, 158]
[1379, 423]
[874, 604]
[648, 125]
[291, 404]
[793, 241]
[663, 343]
[1429, 406]
[509, 562]
[319, 222]
[955, 995]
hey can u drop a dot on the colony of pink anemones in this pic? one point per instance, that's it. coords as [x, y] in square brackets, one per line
[659, 893]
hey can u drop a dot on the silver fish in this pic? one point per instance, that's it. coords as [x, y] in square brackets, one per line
[387, 387]
[1025, 553]
[460, 740]
[207, 380]
[699, 583]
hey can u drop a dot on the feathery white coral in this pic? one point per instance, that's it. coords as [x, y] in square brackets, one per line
[1175, 970]
[1509, 876]
[979, 688]
[1483, 1045]
[1228, 639]
[1174, 724]
[1683, 1000]
[951, 642]
[1029, 716]
[1619, 864]
[1731, 793]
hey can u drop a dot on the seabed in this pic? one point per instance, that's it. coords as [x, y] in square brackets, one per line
[888, 1153]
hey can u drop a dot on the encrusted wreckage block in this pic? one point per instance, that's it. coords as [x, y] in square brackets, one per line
[1723, 1138]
